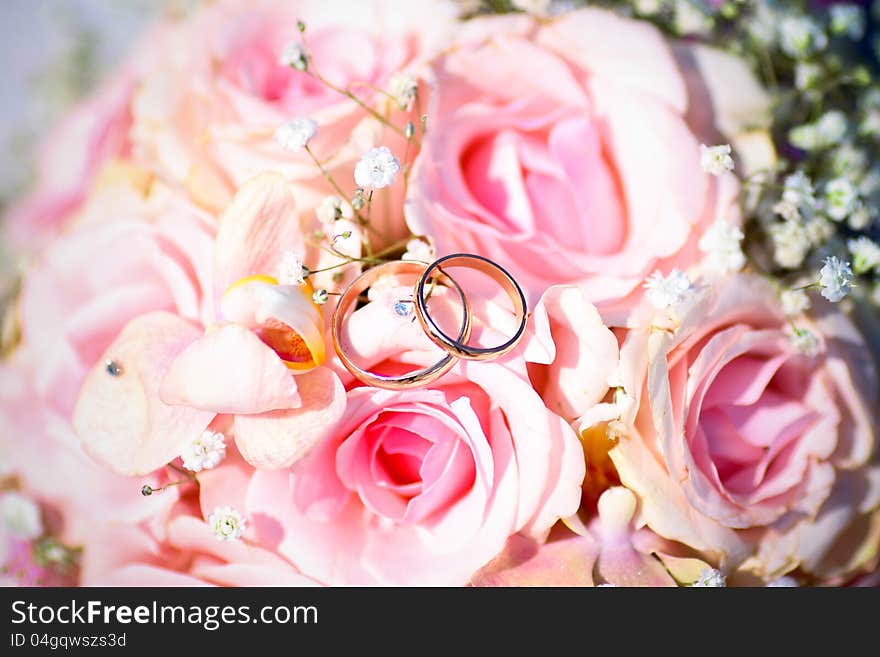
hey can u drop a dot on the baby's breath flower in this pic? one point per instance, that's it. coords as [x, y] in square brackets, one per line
[860, 218]
[294, 56]
[761, 26]
[788, 211]
[419, 250]
[291, 270]
[805, 137]
[791, 243]
[649, 7]
[691, 19]
[716, 159]
[227, 523]
[665, 291]
[359, 200]
[831, 128]
[865, 253]
[296, 133]
[403, 89]
[534, 7]
[848, 160]
[805, 342]
[835, 278]
[204, 452]
[721, 243]
[800, 36]
[21, 516]
[794, 302]
[847, 20]
[320, 296]
[332, 209]
[377, 168]
[840, 199]
[711, 578]
[807, 75]
[798, 189]
[819, 229]
[870, 124]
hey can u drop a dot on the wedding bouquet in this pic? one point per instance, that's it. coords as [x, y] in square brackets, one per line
[213, 371]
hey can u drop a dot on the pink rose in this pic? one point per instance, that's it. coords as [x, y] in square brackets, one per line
[207, 116]
[420, 486]
[568, 149]
[744, 448]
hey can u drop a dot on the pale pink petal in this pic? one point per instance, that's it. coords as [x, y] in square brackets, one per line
[121, 419]
[277, 439]
[230, 370]
[258, 227]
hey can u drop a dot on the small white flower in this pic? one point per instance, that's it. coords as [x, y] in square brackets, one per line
[722, 244]
[798, 189]
[794, 302]
[791, 243]
[227, 523]
[294, 56]
[840, 199]
[691, 18]
[818, 229]
[377, 168]
[860, 218]
[785, 581]
[865, 253]
[805, 342]
[800, 36]
[716, 159]
[870, 124]
[805, 137]
[204, 452]
[836, 279]
[21, 516]
[534, 7]
[847, 20]
[419, 250]
[711, 578]
[788, 211]
[403, 89]
[831, 128]
[296, 133]
[807, 75]
[291, 270]
[332, 209]
[848, 160]
[666, 291]
[649, 7]
[761, 26]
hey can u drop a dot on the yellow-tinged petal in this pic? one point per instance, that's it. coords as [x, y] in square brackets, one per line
[284, 317]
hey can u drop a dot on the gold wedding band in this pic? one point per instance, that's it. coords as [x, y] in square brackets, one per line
[458, 346]
[413, 379]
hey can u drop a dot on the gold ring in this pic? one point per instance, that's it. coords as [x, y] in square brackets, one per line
[413, 379]
[457, 346]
